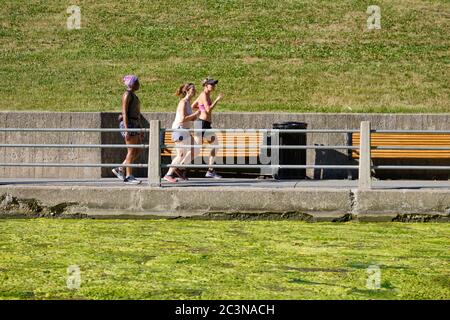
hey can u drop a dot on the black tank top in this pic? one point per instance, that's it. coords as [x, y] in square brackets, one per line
[133, 108]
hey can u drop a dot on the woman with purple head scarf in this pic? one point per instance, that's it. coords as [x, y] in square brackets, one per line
[130, 118]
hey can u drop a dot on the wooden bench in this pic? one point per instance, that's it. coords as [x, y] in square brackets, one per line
[404, 140]
[250, 139]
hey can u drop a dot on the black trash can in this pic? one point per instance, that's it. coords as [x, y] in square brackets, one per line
[291, 156]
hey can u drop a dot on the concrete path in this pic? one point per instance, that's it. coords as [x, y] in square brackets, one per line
[249, 183]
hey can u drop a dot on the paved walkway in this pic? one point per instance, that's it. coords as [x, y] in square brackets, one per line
[250, 183]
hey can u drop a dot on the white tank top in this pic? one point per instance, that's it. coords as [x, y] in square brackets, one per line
[178, 123]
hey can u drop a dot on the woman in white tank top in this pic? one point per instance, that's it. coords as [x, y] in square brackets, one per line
[180, 118]
[183, 120]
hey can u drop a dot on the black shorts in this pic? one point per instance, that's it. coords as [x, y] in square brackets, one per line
[207, 125]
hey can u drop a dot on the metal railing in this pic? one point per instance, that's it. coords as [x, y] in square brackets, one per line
[155, 146]
[70, 146]
[261, 147]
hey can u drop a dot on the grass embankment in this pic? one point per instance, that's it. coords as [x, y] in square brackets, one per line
[293, 56]
[185, 259]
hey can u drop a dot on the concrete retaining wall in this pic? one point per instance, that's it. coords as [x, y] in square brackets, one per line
[36, 155]
[311, 204]
[221, 120]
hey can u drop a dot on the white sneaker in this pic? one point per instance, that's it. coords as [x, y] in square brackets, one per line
[132, 180]
[212, 174]
[119, 173]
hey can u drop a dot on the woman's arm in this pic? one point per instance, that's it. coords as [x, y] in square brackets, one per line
[192, 116]
[210, 107]
[181, 109]
[138, 107]
[219, 97]
[195, 104]
[141, 134]
[125, 102]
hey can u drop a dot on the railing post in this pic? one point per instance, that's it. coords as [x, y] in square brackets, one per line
[154, 154]
[364, 174]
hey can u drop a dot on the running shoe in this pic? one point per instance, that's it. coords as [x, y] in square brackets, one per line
[212, 174]
[170, 178]
[132, 180]
[119, 173]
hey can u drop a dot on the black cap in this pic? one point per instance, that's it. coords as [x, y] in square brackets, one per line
[211, 81]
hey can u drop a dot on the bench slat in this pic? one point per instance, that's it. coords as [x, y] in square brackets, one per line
[405, 140]
[229, 140]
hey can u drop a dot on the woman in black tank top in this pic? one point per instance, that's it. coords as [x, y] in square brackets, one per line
[130, 118]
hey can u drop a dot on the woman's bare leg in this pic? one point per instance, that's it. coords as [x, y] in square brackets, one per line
[193, 152]
[213, 153]
[131, 153]
[178, 158]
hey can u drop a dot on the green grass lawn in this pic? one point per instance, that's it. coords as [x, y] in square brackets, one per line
[188, 259]
[290, 56]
